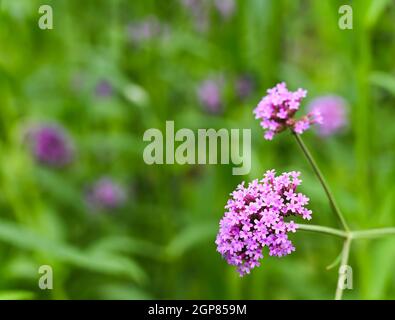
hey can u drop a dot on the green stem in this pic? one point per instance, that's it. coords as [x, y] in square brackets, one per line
[344, 262]
[348, 235]
[335, 262]
[372, 233]
[361, 234]
[325, 230]
[321, 178]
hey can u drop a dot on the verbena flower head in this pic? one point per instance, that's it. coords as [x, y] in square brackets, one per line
[333, 110]
[277, 109]
[209, 94]
[104, 88]
[105, 194]
[256, 218]
[226, 8]
[199, 11]
[144, 30]
[50, 145]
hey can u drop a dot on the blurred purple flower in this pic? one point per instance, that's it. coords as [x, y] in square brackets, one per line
[50, 145]
[199, 11]
[104, 88]
[333, 110]
[105, 194]
[193, 5]
[225, 7]
[209, 94]
[244, 86]
[143, 30]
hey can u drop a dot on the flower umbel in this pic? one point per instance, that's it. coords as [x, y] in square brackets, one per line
[225, 7]
[104, 89]
[255, 218]
[51, 145]
[333, 110]
[277, 109]
[106, 194]
[209, 94]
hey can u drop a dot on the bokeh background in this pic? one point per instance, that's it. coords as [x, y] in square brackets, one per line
[113, 227]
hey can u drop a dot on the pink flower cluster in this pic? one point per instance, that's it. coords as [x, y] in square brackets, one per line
[255, 218]
[277, 109]
[333, 110]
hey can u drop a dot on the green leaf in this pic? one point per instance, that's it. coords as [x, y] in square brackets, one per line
[126, 244]
[383, 80]
[101, 262]
[191, 237]
[16, 295]
[374, 11]
[122, 292]
[383, 265]
[335, 262]
[59, 187]
[20, 266]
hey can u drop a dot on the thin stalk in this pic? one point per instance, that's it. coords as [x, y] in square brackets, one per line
[344, 262]
[372, 233]
[361, 234]
[321, 178]
[335, 262]
[325, 230]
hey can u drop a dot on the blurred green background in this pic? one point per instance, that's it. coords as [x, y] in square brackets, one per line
[150, 57]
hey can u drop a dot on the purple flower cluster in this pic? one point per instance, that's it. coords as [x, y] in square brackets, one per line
[209, 94]
[255, 218]
[226, 8]
[51, 146]
[104, 89]
[200, 11]
[333, 110]
[105, 194]
[143, 30]
[277, 109]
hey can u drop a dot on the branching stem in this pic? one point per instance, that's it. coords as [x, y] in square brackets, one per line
[347, 234]
[342, 275]
[321, 178]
